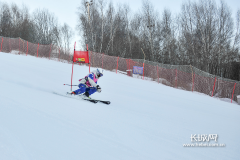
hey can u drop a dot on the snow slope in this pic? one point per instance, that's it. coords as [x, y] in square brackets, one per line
[145, 121]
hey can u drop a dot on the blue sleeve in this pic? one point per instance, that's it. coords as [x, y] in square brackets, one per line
[91, 76]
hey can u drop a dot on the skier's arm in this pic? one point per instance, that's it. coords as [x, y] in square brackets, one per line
[92, 82]
[95, 85]
[83, 81]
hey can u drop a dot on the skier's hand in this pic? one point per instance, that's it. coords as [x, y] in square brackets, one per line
[99, 89]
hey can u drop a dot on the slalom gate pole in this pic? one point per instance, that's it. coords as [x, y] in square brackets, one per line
[102, 60]
[233, 92]
[193, 82]
[214, 86]
[37, 49]
[9, 45]
[143, 71]
[89, 64]
[117, 65]
[1, 44]
[18, 45]
[72, 75]
[176, 79]
[50, 50]
[27, 49]
[59, 54]
[73, 65]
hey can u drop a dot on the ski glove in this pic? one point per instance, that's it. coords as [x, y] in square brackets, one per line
[99, 89]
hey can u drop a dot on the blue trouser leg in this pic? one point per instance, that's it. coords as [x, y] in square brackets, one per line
[91, 90]
[82, 89]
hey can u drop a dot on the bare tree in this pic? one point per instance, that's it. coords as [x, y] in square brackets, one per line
[201, 35]
[237, 34]
[136, 24]
[126, 14]
[67, 35]
[149, 18]
[102, 4]
[46, 26]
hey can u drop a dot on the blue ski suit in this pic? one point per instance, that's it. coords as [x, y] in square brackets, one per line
[88, 84]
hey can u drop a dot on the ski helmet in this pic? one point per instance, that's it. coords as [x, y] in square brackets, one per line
[99, 73]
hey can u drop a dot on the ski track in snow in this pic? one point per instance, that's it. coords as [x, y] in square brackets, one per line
[145, 120]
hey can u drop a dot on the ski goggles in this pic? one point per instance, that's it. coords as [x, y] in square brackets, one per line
[99, 73]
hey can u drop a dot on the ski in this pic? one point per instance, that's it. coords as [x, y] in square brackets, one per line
[93, 100]
[97, 100]
[105, 102]
[69, 95]
[90, 100]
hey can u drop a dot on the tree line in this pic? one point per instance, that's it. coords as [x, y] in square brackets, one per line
[204, 34]
[41, 26]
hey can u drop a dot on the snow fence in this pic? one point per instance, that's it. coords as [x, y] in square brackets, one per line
[184, 77]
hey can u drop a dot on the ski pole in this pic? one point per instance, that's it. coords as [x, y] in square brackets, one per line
[69, 85]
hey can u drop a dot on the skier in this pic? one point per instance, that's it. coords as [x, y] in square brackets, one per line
[88, 85]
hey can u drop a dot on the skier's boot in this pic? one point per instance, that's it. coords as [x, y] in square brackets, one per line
[86, 95]
[73, 93]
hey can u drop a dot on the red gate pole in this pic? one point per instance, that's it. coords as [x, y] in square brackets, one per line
[92, 58]
[128, 67]
[176, 79]
[90, 61]
[127, 60]
[193, 82]
[50, 51]
[233, 92]
[27, 49]
[89, 64]
[72, 75]
[131, 67]
[9, 45]
[1, 44]
[129, 64]
[214, 85]
[19, 45]
[143, 71]
[37, 49]
[157, 74]
[72, 65]
[59, 54]
[102, 60]
[117, 65]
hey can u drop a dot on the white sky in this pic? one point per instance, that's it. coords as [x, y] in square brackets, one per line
[66, 10]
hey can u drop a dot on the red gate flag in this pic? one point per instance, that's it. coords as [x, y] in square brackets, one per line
[81, 57]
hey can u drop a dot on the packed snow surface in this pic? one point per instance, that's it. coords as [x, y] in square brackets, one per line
[145, 120]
